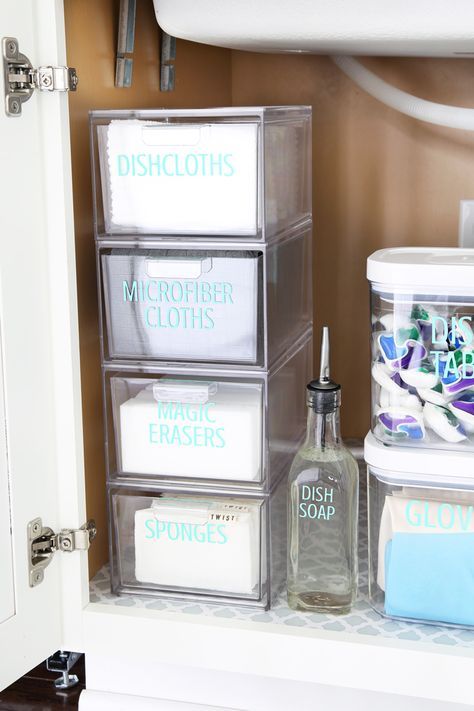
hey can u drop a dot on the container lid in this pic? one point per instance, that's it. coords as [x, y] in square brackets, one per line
[417, 464]
[435, 268]
[225, 111]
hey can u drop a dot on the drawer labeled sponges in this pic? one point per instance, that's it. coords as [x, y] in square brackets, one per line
[173, 542]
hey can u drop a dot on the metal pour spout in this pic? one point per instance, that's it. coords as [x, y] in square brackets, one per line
[324, 366]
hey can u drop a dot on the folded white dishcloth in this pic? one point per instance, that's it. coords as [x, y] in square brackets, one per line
[219, 198]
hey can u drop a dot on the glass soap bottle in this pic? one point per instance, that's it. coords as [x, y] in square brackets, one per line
[323, 506]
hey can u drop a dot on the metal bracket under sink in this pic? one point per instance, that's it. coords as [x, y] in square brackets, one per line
[167, 59]
[125, 49]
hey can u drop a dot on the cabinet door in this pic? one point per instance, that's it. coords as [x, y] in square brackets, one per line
[7, 591]
[39, 388]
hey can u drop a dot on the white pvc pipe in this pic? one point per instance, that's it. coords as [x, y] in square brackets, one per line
[439, 114]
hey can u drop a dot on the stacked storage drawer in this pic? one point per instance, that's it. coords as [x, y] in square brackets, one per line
[420, 450]
[203, 235]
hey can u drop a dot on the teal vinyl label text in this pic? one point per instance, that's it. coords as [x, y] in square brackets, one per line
[194, 301]
[186, 425]
[316, 502]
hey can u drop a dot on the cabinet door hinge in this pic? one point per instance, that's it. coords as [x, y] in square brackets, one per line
[21, 78]
[43, 543]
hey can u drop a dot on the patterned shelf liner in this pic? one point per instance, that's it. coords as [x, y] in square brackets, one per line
[363, 620]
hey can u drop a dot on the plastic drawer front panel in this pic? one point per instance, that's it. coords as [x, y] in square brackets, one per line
[238, 430]
[187, 427]
[175, 544]
[245, 307]
[182, 305]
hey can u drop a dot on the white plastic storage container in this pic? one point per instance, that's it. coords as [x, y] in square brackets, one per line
[421, 534]
[218, 305]
[233, 171]
[223, 430]
[423, 347]
[169, 543]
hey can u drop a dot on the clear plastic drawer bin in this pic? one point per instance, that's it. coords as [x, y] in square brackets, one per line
[173, 544]
[421, 534]
[223, 431]
[423, 347]
[208, 305]
[233, 171]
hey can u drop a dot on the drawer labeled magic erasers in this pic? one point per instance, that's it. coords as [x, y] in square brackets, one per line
[239, 430]
[182, 304]
[185, 427]
[421, 534]
[216, 305]
[232, 171]
[173, 544]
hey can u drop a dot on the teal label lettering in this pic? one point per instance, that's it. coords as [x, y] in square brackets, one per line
[186, 425]
[178, 304]
[444, 516]
[211, 533]
[455, 333]
[316, 502]
[123, 165]
[175, 165]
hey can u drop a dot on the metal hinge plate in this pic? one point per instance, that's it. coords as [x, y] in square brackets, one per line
[43, 543]
[21, 78]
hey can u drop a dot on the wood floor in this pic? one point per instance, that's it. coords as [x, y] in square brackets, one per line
[35, 691]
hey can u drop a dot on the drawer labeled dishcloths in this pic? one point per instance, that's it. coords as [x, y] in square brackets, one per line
[160, 177]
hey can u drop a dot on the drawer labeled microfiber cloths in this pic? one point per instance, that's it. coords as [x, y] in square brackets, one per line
[182, 304]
